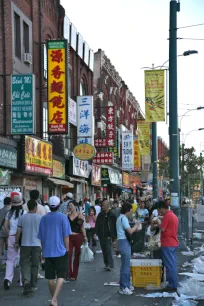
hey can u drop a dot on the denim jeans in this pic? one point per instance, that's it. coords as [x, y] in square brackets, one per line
[170, 262]
[125, 250]
[107, 249]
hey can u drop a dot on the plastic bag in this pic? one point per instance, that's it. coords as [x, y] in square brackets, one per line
[184, 303]
[86, 253]
[198, 268]
[192, 287]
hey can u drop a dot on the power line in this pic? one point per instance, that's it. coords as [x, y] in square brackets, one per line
[186, 38]
[190, 26]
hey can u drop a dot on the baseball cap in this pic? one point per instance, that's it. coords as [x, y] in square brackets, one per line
[70, 195]
[54, 201]
[14, 193]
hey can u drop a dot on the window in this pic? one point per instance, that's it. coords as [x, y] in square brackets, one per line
[26, 37]
[17, 35]
[82, 88]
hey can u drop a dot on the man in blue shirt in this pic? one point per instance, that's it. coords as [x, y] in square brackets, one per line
[54, 234]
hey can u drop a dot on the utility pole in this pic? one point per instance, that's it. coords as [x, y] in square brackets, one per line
[155, 159]
[173, 116]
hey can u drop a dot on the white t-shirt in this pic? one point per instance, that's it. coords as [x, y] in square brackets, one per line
[13, 223]
[47, 209]
[155, 213]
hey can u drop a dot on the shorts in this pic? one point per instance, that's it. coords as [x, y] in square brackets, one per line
[56, 267]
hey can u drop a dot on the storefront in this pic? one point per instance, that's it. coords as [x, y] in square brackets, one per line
[37, 165]
[111, 180]
[78, 174]
[57, 185]
[8, 164]
[96, 182]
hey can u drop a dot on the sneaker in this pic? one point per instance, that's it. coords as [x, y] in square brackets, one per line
[66, 280]
[33, 289]
[26, 289]
[107, 268]
[6, 284]
[40, 276]
[131, 288]
[125, 291]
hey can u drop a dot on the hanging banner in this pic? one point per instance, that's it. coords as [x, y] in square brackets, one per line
[127, 150]
[137, 157]
[126, 180]
[104, 158]
[57, 89]
[72, 112]
[144, 137]
[85, 131]
[80, 167]
[23, 104]
[154, 96]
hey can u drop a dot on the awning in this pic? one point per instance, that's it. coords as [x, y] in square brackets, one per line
[60, 182]
[74, 179]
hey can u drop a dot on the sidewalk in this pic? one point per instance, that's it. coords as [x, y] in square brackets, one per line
[88, 290]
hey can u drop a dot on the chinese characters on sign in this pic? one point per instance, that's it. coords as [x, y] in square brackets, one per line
[137, 157]
[22, 104]
[38, 156]
[104, 158]
[80, 167]
[109, 141]
[57, 87]
[72, 112]
[85, 119]
[110, 126]
[84, 151]
[143, 128]
[127, 150]
[58, 169]
[126, 180]
[116, 148]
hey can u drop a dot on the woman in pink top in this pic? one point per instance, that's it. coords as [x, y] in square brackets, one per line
[91, 232]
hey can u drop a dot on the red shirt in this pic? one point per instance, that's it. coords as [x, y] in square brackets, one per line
[170, 225]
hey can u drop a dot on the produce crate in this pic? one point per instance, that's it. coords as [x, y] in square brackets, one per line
[146, 272]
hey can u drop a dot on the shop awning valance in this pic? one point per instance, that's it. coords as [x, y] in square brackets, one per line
[61, 182]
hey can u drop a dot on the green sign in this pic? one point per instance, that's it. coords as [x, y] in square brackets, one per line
[4, 177]
[57, 44]
[22, 104]
[8, 156]
[105, 179]
[116, 149]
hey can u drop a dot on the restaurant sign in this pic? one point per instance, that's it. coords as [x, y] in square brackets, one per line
[8, 156]
[84, 151]
[58, 169]
[38, 156]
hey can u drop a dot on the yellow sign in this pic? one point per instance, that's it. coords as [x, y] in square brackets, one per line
[38, 156]
[154, 96]
[58, 169]
[126, 179]
[144, 137]
[137, 157]
[84, 151]
[57, 87]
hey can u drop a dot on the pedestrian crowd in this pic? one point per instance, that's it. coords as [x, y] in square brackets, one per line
[52, 236]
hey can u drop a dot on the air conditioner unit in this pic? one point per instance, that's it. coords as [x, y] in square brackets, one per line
[28, 58]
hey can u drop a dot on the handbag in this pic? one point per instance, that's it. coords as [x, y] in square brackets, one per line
[128, 236]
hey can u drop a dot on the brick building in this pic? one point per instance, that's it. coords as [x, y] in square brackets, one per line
[25, 26]
[162, 148]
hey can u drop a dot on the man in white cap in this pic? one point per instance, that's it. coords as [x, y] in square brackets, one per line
[54, 234]
[64, 206]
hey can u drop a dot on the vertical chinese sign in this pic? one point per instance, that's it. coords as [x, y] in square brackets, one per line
[127, 150]
[144, 137]
[85, 129]
[137, 157]
[110, 126]
[57, 87]
[154, 96]
[23, 104]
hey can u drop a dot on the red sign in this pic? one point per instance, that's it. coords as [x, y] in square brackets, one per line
[109, 141]
[100, 143]
[104, 158]
[110, 126]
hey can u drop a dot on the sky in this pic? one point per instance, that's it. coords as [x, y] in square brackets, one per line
[134, 34]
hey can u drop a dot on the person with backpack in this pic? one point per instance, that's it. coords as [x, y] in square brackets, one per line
[63, 208]
[3, 234]
[11, 226]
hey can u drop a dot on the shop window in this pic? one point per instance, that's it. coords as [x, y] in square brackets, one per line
[26, 37]
[17, 35]
[83, 90]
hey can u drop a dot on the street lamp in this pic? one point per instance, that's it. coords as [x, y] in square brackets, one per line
[197, 130]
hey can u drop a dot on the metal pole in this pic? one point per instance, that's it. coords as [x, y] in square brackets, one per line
[201, 175]
[173, 116]
[182, 170]
[154, 159]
